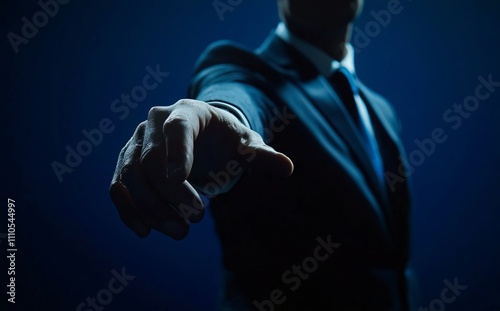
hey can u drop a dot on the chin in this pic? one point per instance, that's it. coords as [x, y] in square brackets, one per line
[327, 14]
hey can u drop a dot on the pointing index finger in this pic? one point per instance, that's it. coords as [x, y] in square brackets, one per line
[181, 128]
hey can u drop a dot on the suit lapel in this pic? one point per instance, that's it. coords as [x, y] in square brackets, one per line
[316, 87]
[376, 107]
[333, 110]
[387, 137]
[319, 92]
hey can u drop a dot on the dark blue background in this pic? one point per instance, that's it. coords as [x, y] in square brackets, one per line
[64, 80]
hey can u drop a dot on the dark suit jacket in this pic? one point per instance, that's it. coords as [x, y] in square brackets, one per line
[268, 226]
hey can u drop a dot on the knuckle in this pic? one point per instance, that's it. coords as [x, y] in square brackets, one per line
[184, 102]
[191, 104]
[113, 188]
[122, 152]
[156, 112]
[141, 127]
[175, 122]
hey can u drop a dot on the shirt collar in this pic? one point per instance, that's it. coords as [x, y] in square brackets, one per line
[325, 64]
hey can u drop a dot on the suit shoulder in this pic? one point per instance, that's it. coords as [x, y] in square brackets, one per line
[223, 52]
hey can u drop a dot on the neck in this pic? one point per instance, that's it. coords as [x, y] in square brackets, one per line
[334, 43]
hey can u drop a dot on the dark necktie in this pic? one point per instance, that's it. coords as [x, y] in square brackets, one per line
[345, 85]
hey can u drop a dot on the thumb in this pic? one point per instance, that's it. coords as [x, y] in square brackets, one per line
[269, 163]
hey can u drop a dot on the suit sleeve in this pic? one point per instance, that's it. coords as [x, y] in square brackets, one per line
[249, 100]
[238, 87]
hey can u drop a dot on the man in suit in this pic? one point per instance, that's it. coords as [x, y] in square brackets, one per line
[334, 235]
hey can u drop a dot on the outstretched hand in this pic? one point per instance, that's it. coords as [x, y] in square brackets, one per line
[193, 141]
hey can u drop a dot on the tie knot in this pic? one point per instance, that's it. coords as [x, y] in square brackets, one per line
[342, 78]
